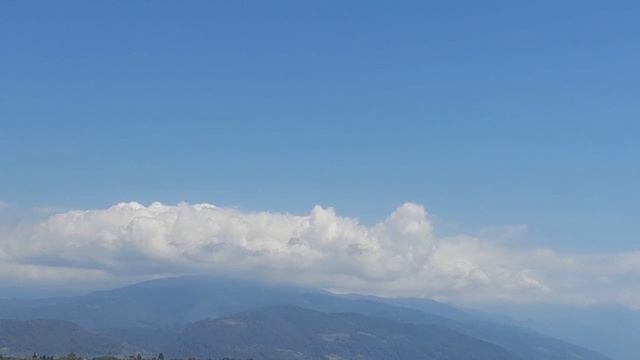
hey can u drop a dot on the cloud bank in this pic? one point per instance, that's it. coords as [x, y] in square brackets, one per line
[399, 256]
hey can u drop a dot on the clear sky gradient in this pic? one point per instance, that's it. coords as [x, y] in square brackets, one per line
[488, 113]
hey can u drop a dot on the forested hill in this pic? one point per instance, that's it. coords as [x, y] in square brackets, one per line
[162, 315]
[289, 332]
[271, 333]
[53, 337]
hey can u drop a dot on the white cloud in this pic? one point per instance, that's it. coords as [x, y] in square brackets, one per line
[398, 256]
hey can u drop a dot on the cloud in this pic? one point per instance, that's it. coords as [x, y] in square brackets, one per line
[3, 204]
[400, 255]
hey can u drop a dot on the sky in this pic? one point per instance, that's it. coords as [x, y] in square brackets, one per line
[501, 128]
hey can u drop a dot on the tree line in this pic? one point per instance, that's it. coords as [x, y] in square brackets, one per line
[73, 356]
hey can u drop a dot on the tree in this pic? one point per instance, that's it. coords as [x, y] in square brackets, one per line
[161, 356]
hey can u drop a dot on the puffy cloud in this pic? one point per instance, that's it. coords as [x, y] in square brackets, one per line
[397, 256]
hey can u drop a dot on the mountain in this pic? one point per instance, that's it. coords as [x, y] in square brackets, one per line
[280, 332]
[289, 332]
[612, 330]
[171, 301]
[153, 310]
[425, 305]
[512, 335]
[53, 337]
[17, 304]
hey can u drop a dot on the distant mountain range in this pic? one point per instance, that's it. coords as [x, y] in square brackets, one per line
[213, 317]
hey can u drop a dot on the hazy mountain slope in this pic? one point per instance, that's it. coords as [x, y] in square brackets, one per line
[426, 305]
[177, 301]
[612, 330]
[148, 340]
[52, 337]
[288, 332]
[528, 344]
[161, 302]
[333, 303]
[17, 304]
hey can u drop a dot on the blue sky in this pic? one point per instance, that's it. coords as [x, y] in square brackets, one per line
[487, 113]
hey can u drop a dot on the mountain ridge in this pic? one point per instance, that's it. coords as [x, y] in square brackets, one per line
[156, 309]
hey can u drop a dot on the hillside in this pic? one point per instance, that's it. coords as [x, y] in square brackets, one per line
[53, 337]
[288, 332]
[151, 312]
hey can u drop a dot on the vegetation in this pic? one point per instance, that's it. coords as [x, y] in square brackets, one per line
[73, 356]
[249, 320]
